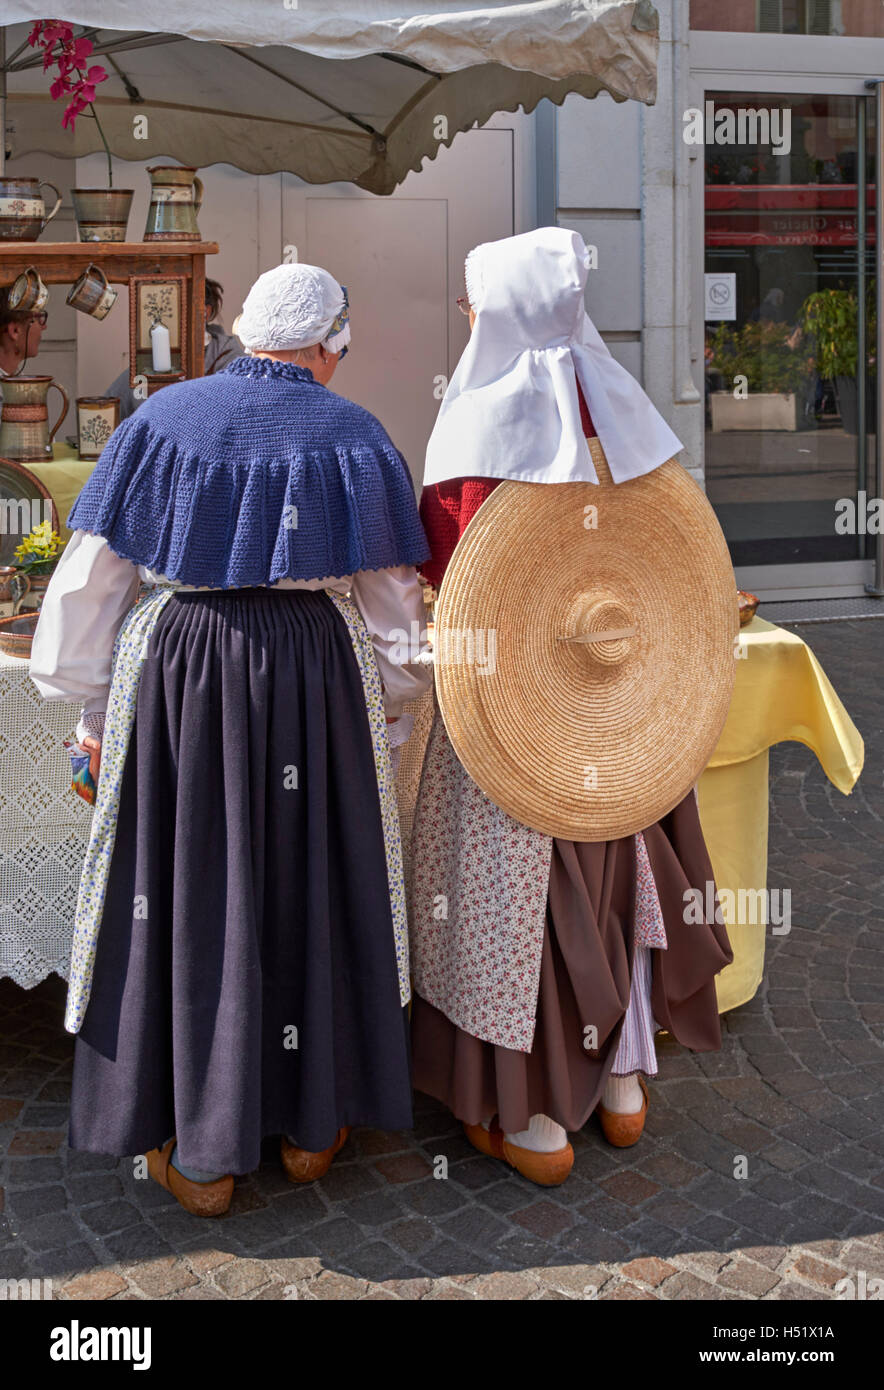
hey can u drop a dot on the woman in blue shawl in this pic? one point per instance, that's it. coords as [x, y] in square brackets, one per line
[240, 958]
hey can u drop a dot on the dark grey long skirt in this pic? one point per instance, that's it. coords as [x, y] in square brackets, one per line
[244, 913]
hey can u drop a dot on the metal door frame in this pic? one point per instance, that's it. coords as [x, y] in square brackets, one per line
[814, 65]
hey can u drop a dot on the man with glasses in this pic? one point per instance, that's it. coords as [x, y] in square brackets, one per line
[20, 334]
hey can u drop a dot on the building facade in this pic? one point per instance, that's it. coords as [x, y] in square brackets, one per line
[735, 225]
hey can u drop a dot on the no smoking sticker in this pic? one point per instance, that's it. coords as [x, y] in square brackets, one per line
[721, 295]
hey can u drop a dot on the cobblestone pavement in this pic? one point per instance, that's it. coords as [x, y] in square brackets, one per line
[798, 1088]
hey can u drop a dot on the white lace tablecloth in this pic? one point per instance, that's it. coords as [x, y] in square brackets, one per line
[44, 828]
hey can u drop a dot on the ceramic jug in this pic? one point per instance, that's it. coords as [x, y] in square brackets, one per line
[176, 196]
[32, 593]
[10, 587]
[23, 213]
[25, 435]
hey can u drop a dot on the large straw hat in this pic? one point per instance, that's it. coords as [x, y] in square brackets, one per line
[588, 738]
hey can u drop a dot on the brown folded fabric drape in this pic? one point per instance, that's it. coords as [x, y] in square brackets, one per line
[586, 967]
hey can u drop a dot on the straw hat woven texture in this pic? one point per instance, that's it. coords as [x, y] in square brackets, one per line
[588, 739]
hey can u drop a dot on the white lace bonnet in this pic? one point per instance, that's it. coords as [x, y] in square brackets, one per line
[295, 306]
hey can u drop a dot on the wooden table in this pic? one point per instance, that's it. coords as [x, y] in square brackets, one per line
[61, 263]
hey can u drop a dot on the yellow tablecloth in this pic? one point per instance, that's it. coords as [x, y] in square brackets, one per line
[64, 476]
[781, 693]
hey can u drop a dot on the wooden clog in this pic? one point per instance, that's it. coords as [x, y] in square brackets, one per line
[303, 1166]
[199, 1198]
[545, 1169]
[624, 1130]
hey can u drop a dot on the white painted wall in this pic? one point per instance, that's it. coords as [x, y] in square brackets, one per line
[401, 258]
[623, 184]
[598, 146]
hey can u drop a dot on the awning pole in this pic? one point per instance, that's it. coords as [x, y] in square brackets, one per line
[2, 100]
[877, 586]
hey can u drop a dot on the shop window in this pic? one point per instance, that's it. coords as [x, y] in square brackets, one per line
[853, 18]
[795, 17]
[790, 326]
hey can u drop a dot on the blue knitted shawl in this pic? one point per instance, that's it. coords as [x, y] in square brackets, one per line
[256, 474]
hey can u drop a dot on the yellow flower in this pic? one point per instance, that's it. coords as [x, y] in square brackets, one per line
[40, 547]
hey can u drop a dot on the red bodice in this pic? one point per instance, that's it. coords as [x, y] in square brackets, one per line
[447, 508]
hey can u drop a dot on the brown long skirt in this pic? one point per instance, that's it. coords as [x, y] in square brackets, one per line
[586, 966]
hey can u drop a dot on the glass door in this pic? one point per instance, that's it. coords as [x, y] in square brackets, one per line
[789, 332]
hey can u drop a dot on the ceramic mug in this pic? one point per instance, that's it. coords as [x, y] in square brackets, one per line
[28, 293]
[97, 418]
[92, 294]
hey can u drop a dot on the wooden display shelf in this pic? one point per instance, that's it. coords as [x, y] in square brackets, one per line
[61, 262]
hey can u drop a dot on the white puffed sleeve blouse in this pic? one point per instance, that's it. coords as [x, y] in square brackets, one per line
[92, 590]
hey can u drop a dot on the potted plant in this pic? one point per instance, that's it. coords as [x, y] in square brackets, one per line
[102, 213]
[776, 372]
[35, 559]
[829, 318]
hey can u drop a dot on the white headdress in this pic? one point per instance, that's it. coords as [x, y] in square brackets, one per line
[295, 306]
[511, 408]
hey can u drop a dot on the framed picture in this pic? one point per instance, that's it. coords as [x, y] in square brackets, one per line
[97, 418]
[154, 298]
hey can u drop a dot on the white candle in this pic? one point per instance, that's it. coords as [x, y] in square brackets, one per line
[161, 348]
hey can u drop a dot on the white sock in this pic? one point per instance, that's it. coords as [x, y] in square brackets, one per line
[543, 1136]
[623, 1095]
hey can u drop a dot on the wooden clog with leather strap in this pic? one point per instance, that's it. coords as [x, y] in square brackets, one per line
[199, 1198]
[546, 1169]
[303, 1166]
[624, 1130]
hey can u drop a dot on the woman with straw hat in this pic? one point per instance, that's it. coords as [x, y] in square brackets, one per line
[584, 663]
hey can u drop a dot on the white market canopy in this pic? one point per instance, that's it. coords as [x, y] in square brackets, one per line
[359, 92]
